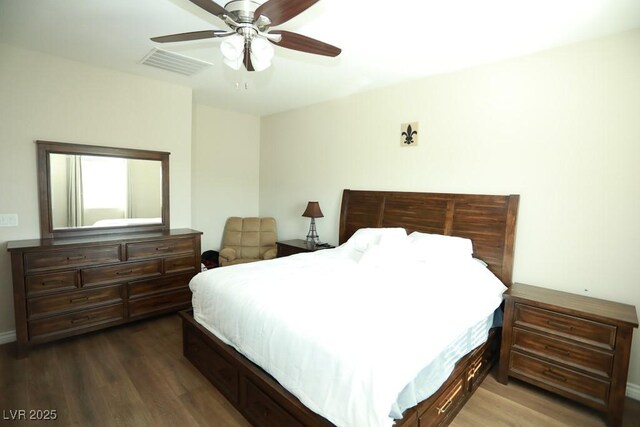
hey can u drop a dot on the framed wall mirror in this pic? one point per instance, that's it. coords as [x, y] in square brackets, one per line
[87, 190]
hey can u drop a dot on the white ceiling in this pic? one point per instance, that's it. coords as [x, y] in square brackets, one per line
[383, 42]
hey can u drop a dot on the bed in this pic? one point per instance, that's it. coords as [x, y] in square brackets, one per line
[488, 221]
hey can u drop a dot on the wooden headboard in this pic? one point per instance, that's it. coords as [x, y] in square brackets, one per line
[489, 221]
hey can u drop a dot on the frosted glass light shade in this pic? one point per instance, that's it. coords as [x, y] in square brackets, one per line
[261, 53]
[233, 48]
[234, 63]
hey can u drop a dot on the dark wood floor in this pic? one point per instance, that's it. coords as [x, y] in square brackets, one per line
[135, 375]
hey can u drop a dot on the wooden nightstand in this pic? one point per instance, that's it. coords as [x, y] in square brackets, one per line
[572, 345]
[296, 246]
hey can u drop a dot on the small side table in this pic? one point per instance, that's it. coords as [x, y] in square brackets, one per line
[296, 246]
[572, 345]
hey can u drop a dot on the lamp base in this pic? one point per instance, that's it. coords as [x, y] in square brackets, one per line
[312, 236]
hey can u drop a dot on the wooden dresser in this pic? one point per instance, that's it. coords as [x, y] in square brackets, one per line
[573, 345]
[70, 286]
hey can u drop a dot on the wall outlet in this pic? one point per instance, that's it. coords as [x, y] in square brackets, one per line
[8, 220]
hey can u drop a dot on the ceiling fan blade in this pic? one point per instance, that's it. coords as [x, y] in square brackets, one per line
[194, 35]
[280, 11]
[211, 7]
[247, 60]
[306, 44]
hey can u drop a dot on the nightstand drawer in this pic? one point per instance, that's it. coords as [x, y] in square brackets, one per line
[564, 381]
[591, 360]
[586, 331]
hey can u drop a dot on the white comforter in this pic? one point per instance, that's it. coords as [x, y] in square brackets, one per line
[343, 337]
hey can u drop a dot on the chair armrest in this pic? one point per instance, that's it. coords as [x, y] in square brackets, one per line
[228, 254]
[271, 253]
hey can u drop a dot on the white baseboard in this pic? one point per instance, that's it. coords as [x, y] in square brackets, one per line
[7, 337]
[633, 391]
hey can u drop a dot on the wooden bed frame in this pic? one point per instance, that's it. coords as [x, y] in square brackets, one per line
[489, 221]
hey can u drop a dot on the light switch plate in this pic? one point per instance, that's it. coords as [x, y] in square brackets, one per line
[8, 220]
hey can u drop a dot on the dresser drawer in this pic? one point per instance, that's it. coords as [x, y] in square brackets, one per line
[44, 329]
[160, 303]
[51, 282]
[41, 306]
[591, 360]
[586, 331]
[64, 258]
[157, 248]
[154, 286]
[565, 381]
[122, 272]
[181, 264]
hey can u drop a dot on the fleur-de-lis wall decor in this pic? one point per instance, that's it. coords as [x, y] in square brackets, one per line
[409, 134]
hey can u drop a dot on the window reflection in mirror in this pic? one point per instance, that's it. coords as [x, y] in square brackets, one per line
[88, 191]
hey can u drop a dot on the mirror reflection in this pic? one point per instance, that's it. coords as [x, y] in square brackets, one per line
[99, 191]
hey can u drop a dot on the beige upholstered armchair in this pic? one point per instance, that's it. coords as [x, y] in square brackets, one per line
[248, 240]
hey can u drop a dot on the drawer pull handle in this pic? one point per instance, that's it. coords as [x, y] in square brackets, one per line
[442, 409]
[474, 371]
[52, 283]
[79, 299]
[554, 375]
[560, 325]
[75, 258]
[162, 248]
[81, 319]
[124, 273]
[557, 350]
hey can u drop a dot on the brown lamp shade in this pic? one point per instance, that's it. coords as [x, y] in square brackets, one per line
[313, 210]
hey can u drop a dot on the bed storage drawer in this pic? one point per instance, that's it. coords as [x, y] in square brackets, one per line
[159, 248]
[446, 404]
[65, 258]
[68, 324]
[221, 372]
[262, 410]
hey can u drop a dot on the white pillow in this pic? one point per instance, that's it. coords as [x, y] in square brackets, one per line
[425, 247]
[363, 238]
[366, 238]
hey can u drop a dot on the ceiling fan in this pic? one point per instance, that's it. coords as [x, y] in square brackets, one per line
[250, 38]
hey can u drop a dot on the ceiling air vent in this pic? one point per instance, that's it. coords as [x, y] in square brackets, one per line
[174, 62]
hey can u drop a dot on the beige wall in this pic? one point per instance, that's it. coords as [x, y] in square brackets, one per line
[560, 128]
[44, 97]
[226, 152]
